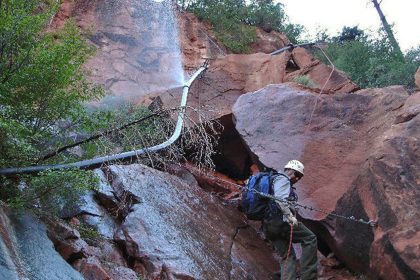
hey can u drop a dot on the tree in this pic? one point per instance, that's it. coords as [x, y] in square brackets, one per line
[350, 34]
[234, 21]
[388, 29]
[42, 84]
[41, 78]
[370, 62]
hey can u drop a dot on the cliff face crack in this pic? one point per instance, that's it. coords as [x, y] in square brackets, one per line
[405, 118]
[238, 228]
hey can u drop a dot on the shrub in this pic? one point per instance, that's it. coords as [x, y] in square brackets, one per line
[51, 189]
[234, 21]
[305, 80]
[371, 62]
[42, 84]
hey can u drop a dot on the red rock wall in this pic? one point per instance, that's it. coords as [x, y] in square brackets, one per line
[360, 151]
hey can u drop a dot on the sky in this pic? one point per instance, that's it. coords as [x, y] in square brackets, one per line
[334, 14]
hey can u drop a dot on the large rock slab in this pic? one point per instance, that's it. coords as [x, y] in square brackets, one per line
[360, 151]
[178, 231]
[27, 253]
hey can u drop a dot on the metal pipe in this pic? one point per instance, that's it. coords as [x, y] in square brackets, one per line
[97, 162]
[291, 47]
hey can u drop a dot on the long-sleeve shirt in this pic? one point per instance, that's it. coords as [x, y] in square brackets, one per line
[281, 190]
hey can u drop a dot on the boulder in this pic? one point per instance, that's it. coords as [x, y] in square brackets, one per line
[417, 78]
[181, 232]
[360, 152]
[268, 42]
[67, 241]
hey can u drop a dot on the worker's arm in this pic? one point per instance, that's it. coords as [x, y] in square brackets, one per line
[281, 189]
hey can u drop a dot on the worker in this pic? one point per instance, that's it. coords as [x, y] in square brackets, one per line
[277, 226]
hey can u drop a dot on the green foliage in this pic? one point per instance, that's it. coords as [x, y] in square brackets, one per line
[88, 233]
[266, 14]
[42, 82]
[52, 189]
[234, 21]
[42, 85]
[371, 62]
[238, 38]
[293, 32]
[226, 18]
[146, 133]
[271, 16]
[306, 81]
[350, 34]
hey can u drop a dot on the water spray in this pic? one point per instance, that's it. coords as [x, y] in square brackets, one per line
[98, 162]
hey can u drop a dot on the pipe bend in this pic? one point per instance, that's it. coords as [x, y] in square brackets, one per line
[94, 163]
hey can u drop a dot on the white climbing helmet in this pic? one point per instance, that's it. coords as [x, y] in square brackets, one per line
[295, 165]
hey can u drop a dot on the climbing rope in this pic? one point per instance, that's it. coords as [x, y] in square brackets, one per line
[294, 204]
[329, 213]
[323, 87]
[213, 42]
[288, 252]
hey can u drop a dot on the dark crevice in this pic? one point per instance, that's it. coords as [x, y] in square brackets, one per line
[123, 249]
[405, 118]
[123, 204]
[319, 230]
[291, 66]
[108, 175]
[232, 157]
[75, 256]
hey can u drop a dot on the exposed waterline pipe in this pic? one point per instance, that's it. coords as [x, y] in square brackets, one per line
[291, 47]
[97, 162]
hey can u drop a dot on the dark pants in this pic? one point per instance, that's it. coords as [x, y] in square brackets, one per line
[278, 232]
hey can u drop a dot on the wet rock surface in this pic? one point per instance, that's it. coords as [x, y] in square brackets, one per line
[164, 227]
[178, 229]
[360, 161]
[26, 252]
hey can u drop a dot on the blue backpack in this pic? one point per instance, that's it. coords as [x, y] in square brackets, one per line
[254, 205]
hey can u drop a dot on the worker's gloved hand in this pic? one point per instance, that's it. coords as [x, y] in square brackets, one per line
[292, 220]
